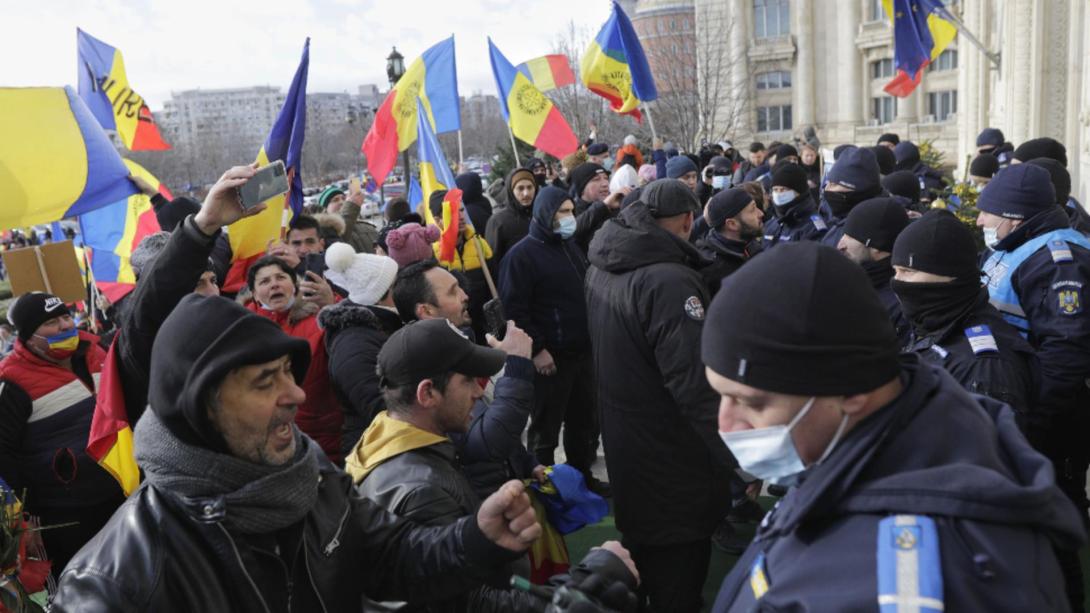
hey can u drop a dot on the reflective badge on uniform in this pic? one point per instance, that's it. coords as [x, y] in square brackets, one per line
[1069, 302]
[909, 565]
[758, 579]
[818, 222]
[694, 308]
[1060, 250]
[981, 339]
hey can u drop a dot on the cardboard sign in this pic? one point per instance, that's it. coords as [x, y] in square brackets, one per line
[51, 268]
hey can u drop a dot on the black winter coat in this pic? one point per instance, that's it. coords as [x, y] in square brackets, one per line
[726, 255]
[799, 222]
[880, 274]
[645, 304]
[163, 553]
[354, 334]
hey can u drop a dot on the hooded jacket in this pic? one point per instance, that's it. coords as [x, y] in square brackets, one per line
[541, 282]
[908, 158]
[645, 307]
[476, 205]
[935, 451]
[727, 255]
[354, 334]
[508, 225]
[799, 220]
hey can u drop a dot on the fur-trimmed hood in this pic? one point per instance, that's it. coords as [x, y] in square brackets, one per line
[347, 314]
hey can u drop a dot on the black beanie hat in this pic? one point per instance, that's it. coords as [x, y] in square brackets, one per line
[786, 151]
[990, 137]
[201, 341]
[34, 309]
[597, 149]
[720, 163]
[582, 174]
[841, 149]
[1044, 147]
[984, 165]
[887, 162]
[1061, 179]
[176, 211]
[889, 137]
[938, 243]
[727, 204]
[819, 330]
[903, 183]
[669, 197]
[792, 176]
[907, 154]
[856, 169]
[1019, 191]
[876, 222]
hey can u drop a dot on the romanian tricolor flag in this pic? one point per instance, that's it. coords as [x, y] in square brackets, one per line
[922, 29]
[435, 175]
[55, 160]
[110, 441]
[431, 79]
[615, 67]
[250, 236]
[533, 118]
[114, 231]
[105, 88]
[548, 72]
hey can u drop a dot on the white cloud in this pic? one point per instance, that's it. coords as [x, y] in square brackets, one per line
[177, 45]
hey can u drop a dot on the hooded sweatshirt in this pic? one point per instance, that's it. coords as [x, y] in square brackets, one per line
[386, 438]
[512, 222]
[478, 207]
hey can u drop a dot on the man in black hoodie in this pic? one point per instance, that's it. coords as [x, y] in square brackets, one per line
[512, 222]
[669, 471]
[908, 158]
[852, 179]
[476, 205]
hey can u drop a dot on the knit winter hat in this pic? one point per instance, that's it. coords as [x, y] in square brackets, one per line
[984, 165]
[1044, 147]
[727, 204]
[679, 166]
[1020, 191]
[876, 222]
[327, 195]
[857, 169]
[990, 137]
[904, 184]
[786, 151]
[792, 176]
[410, 243]
[30, 311]
[1061, 179]
[907, 154]
[669, 197]
[887, 162]
[582, 174]
[938, 243]
[366, 276]
[827, 335]
[598, 149]
[889, 137]
[648, 173]
[625, 176]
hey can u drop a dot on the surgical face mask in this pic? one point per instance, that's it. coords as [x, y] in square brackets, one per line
[62, 344]
[608, 163]
[719, 181]
[770, 454]
[784, 197]
[291, 303]
[991, 237]
[566, 227]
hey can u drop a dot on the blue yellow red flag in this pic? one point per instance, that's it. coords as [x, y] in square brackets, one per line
[250, 237]
[431, 78]
[615, 67]
[436, 175]
[105, 88]
[55, 159]
[548, 72]
[533, 118]
[110, 441]
[922, 29]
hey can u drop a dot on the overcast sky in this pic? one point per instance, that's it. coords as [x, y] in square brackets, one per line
[186, 44]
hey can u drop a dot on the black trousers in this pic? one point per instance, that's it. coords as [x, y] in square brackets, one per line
[672, 576]
[61, 544]
[566, 398]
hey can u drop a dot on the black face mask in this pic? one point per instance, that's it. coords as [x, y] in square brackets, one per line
[841, 203]
[929, 307]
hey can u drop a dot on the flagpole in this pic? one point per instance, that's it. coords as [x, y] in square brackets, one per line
[960, 25]
[651, 123]
[461, 162]
[514, 149]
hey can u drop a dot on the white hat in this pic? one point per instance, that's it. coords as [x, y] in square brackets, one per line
[625, 176]
[367, 277]
[630, 140]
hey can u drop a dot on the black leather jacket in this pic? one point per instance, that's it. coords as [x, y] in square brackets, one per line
[161, 552]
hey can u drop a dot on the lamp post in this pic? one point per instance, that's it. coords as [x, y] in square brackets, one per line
[395, 69]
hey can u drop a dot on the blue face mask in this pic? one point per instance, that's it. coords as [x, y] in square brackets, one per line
[785, 197]
[566, 227]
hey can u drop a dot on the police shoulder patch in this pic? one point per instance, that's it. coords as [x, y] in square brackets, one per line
[1060, 250]
[909, 565]
[981, 339]
[694, 308]
[1069, 301]
[818, 222]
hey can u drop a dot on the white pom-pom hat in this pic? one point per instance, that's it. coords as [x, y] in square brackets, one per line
[367, 277]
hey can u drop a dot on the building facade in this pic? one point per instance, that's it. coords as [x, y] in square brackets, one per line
[241, 116]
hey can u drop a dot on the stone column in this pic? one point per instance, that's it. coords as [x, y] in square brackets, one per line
[802, 88]
[849, 66]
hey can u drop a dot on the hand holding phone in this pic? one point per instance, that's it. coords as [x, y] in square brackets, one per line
[268, 182]
[494, 318]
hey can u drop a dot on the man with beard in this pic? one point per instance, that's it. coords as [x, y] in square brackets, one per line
[797, 217]
[510, 224]
[735, 221]
[869, 233]
[852, 179]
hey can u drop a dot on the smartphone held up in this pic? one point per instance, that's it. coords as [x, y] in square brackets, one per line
[268, 182]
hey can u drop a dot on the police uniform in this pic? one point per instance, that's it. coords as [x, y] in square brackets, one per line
[800, 222]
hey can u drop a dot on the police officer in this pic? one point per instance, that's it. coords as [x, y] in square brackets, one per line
[954, 326]
[1037, 276]
[903, 480]
[735, 221]
[869, 232]
[991, 141]
[1061, 182]
[852, 179]
[797, 217]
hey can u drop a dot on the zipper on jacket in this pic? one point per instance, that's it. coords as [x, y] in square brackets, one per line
[335, 542]
[310, 575]
[238, 558]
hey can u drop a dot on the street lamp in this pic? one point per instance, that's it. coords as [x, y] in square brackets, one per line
[395, 69]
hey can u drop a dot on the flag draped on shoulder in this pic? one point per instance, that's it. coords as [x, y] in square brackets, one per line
[431, 78]
[110, 440]
[614, 66]
[533, 118]
[250, 236]
[114, 231]
[105, 88]
[436, 175]
[548, 72]
[922, 29]
[55, 159]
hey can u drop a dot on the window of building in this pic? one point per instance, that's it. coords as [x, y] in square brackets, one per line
[771, 18]
[884, 109]
[773, 118]
[942, 104]
[778, 79]
[876, 11]
[947, 60]
[882, 69]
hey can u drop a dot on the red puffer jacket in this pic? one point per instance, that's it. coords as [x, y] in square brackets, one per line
[320, 415]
